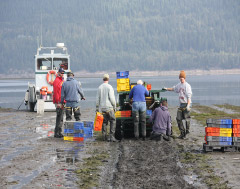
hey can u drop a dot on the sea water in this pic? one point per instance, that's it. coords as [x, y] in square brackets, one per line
[207, 89]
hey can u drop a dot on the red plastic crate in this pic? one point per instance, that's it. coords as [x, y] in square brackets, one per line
[212, 130]
[236, 134]
[236, 130]
[126, 113]
[78, 139]
[236, 126]
[212, 134]
[236, 121]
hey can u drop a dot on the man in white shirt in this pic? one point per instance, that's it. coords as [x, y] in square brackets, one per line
[185, 94]
[106, 103]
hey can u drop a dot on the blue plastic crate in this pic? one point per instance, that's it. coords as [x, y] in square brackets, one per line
[123, 74]
[78, 126]
[149, 112]
[226, 121]
[225, 139]
[78, 135]
[68, 131]
[88, 132]
[225, 143]
[226, 126]
[88, 124]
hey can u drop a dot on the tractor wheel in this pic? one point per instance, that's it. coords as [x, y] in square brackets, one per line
[118, 131]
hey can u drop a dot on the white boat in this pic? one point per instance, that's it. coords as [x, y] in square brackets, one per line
[47, 62]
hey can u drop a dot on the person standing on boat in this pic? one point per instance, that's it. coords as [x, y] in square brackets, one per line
[106, 103]
[70, 92]
[57, 86]
[185, 94]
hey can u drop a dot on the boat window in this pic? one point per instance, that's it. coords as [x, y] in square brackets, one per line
[44, 64]
[60, 63]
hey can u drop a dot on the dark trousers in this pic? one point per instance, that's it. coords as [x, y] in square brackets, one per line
[109, 117]
[76, 112]
[139, 118]
[59, 121]
[183, 114]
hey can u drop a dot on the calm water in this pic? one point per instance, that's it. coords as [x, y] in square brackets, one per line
[207, 89]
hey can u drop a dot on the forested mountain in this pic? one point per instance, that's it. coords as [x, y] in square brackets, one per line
[123, 34]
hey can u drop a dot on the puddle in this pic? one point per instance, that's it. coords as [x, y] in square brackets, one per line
[45, 130]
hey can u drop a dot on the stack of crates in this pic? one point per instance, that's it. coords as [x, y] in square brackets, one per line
[236, 132]
[149, 112]
[77, 130]
[123, 83]
[218, 132]
[123, 113]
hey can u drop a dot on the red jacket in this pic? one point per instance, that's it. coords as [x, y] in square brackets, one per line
[57, 86]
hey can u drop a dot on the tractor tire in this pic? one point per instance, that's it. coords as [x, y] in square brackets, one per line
[118, 131]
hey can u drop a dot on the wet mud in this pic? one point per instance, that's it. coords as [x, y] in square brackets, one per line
[30, 157]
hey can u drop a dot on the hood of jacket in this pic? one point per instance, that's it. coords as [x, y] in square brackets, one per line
[70, 78]
[164, 108]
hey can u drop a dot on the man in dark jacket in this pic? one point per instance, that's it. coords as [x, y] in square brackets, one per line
[138, 94]
[161, 122]
[70, 92]
[57, 86]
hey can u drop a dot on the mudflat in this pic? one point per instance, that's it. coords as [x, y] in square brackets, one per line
[30, 157]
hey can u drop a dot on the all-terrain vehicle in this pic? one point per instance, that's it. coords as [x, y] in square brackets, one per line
[124, 123]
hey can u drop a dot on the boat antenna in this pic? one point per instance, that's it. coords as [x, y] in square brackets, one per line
[41, 30]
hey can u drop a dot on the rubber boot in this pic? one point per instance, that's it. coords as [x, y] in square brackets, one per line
[182, 130]
[142, 117]
[187, 127]
[59, 122]
[135, 116]
[68, 113]
[77, 113]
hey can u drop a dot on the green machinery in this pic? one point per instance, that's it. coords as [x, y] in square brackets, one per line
[124, 125]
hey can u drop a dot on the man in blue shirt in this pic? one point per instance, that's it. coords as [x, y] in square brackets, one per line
[138, 94]
[70, 92]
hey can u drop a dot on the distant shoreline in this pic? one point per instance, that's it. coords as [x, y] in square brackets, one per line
[84, 74]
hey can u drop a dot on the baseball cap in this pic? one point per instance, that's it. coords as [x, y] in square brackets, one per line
[105, 76]
[61, 70]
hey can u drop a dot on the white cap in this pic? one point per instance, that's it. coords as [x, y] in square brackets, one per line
[106, 76]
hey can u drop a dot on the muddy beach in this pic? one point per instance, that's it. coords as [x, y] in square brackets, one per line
[30, 157]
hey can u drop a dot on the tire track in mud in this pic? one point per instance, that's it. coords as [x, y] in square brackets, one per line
[148, 164]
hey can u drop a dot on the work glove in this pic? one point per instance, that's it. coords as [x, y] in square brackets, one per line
[83, 98]
[188, 108]
[164, 89]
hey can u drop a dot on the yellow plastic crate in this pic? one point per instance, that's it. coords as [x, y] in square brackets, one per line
[132, 86]
[118, 114]
[225, 130]
[68, 138]
[123, 81]
[123, 87]
[225, 134]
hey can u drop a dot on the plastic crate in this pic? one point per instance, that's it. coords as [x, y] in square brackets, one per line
[219, 125]
[88, 124]
[78, 135]
[118, 114]
[236, 130]
[68, 130]
[236, 126]
[236, 134]
[68, 138]
[212, 138]
[219, 143]
[225, 130]
[123, 81]
[236, 121]
[149, 87]
[212, 130]
[78, 126]
[126, 113]
[226, 139]
[88, 132]
[149, 112]
[212, 134]
[219, 121]
[236, 143]
[123, 74]
[80, 139]
[69, 124]
[236, 139]
[225, 134]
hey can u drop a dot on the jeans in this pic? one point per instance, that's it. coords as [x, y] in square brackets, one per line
[139, 116]
[75, 106]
